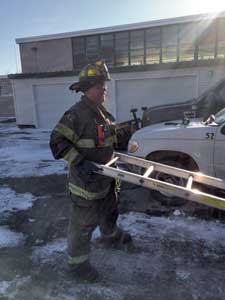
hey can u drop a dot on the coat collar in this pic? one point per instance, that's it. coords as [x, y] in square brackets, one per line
[92, 106]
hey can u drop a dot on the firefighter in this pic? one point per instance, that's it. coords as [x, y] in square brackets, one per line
[84, 135]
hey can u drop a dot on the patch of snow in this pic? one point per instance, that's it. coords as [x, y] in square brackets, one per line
[98, 292]
[26, 153]
[183, 228]
[183, 275]
[11, 202]
[43, 253]
[4, 285]
[141, 226]
[8, 289]
[9, 238]
[177, 212]
[96, 234]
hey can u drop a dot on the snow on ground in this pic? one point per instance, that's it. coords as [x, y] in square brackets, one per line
[26, 153]
[181, 228]
[9, 238]
[8, 287]
[11, 202]
[45, 252]
[144, 227]
[4, 285]
[23, 153]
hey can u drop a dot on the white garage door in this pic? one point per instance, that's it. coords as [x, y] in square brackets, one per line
[51, 101]
[136, 93]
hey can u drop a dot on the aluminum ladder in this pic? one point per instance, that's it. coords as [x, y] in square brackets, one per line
[113, 170]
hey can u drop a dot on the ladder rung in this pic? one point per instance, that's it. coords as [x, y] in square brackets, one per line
[189, 183]
[148, 172]
[112, 161]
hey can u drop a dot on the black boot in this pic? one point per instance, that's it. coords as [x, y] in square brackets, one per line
[120, 240]
[84, 272]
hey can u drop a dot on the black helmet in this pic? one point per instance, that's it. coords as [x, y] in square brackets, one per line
[90, 75]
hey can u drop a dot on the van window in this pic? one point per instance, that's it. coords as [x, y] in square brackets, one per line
[222, 94]
[205, 105]
[212, 103]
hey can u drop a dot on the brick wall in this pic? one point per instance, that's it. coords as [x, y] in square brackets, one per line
[46, 56]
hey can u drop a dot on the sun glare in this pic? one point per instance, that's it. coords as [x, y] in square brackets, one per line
[207, 6]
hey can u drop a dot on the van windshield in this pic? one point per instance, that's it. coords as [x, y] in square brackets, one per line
[220, 117]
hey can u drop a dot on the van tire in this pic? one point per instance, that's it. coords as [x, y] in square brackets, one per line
[167, 199]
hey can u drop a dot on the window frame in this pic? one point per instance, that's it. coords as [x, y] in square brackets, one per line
[122, 49]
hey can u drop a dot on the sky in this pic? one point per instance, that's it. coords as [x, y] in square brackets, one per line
[25, 18]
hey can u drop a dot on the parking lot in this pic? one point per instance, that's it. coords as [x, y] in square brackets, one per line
[177, 254]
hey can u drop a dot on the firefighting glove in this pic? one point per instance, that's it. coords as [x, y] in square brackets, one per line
[87, 167]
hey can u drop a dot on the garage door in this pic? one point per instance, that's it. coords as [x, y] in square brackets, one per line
[136, 93]
[51, 101]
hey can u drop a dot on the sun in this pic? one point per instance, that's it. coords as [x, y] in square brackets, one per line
[207, 6]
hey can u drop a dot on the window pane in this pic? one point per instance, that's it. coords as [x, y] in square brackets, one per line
[152, 56]
[187, 39]
[121, 45]
[186, 52]
[79, 57]
[92, 48]
[137, 39]
[169, 43]
[221, 39]
[78, 45]
[152, 45]
[137, 57]
[122, 41]
[137, 47]
[152, 37]
[169, 35]
[121, 59]
[169, 54]
[207, 40]
[107, 50]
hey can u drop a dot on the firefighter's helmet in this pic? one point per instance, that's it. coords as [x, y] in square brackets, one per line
[90, 75]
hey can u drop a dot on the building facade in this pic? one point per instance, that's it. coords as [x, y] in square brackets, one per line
[6, 98]
[151, 63]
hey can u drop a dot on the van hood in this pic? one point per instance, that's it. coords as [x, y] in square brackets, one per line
[175, 130]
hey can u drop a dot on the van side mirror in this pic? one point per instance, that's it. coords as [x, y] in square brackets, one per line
[144, 108]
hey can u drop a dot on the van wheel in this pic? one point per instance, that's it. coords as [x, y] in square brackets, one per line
[167, 198]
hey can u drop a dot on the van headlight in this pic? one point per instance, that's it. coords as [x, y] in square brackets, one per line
[133, 146]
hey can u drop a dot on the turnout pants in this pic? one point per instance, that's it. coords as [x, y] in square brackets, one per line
[85, 216]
